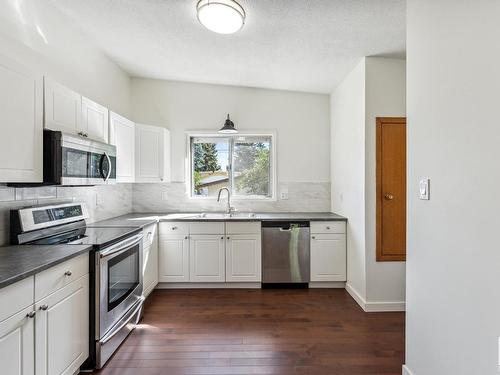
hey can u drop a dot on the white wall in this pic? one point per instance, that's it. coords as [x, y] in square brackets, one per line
[453, 267]
[385, 97]
[37, 35]
[348, 169]
[375, 88]
[301, 121]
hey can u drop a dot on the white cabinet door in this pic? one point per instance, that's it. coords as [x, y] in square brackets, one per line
[17, 344]
[122, 135]
[21, 119]
[63, 107]
[207, 258]
[328, 257]
[173, 258]
[150, 262]
[62, 329]
[152, 154]
[243, 258]
[94, 120]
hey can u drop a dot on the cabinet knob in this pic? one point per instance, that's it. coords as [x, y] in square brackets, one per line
[313, 237]
[174, 228]
[44, 307]
[68, 273]
[327, 228]
[228, 237]
[149, 234]
[31, 314]
[222, 238]
[186, 237]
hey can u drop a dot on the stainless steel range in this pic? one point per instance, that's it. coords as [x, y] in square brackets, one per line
[116, 269]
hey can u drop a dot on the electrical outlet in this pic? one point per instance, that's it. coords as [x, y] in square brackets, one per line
[164, 195]
[98, 200]
[284, 195]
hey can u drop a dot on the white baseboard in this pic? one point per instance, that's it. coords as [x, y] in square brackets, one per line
[208, 286]
[381, 306]
[407, 371]
[327, 284]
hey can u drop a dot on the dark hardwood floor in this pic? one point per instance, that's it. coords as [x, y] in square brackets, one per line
[315, 331]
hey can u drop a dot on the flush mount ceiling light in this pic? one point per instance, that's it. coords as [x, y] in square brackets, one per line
[221, 16]
[228, 127]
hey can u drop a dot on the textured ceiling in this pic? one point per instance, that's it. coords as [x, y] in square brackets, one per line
[307, 45]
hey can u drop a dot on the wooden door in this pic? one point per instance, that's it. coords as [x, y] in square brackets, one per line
[391, 189]
[243, 258]
[328, 257]
[207, 258]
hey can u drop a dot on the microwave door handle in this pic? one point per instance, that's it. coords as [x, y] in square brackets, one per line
[109, 167]
[101, 171]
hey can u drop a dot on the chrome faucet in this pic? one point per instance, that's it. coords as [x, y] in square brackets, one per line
[229, 209]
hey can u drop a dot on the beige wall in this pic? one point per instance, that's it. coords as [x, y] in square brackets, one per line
[453, 264]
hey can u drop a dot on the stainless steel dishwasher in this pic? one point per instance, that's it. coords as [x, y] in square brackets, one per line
[285, 252]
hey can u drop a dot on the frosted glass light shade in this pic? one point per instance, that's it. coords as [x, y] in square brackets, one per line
[221, 16]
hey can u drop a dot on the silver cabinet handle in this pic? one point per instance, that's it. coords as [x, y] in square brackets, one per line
[68, 273]
[31, 314]
[44, 307]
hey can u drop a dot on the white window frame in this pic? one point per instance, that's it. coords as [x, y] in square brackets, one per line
[273, 162]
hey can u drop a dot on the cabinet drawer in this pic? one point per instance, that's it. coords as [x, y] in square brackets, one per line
[16, 297]
[56, 277]
[168, 228]
[327, 227]
[149, 235]
[248, 227]
[206, 228]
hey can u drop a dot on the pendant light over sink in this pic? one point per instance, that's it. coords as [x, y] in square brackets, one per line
[228, 127]
[221, 16]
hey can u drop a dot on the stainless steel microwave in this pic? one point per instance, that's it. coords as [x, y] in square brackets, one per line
[75, 160]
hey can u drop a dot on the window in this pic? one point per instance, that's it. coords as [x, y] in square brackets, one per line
[241, 163]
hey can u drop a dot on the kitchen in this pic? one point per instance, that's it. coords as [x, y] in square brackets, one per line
[230, 187]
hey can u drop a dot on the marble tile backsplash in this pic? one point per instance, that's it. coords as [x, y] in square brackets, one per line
[102, 201]
[167, 197]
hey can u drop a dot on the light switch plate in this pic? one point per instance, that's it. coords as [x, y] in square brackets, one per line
[423, 189]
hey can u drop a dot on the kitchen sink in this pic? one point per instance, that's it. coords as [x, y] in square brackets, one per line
[221, 215]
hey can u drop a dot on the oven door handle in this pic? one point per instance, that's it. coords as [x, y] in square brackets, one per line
[122, 246]
[111, 334]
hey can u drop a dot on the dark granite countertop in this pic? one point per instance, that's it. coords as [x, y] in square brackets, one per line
[143, 219]
[18, 262]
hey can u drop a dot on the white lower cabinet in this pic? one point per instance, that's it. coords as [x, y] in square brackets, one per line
[243, 258]
[17, 338]
[173, 258]
[328, 257]
[61, 329]
[207, 258]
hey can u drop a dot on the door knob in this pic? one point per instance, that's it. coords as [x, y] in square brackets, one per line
[389, 196]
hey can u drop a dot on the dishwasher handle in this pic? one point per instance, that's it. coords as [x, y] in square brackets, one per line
[285, 226]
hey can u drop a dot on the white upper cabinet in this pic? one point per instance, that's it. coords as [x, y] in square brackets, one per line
[122, 135]
[63, 108]
[21, 118]
[94, 122]
[152, 154]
